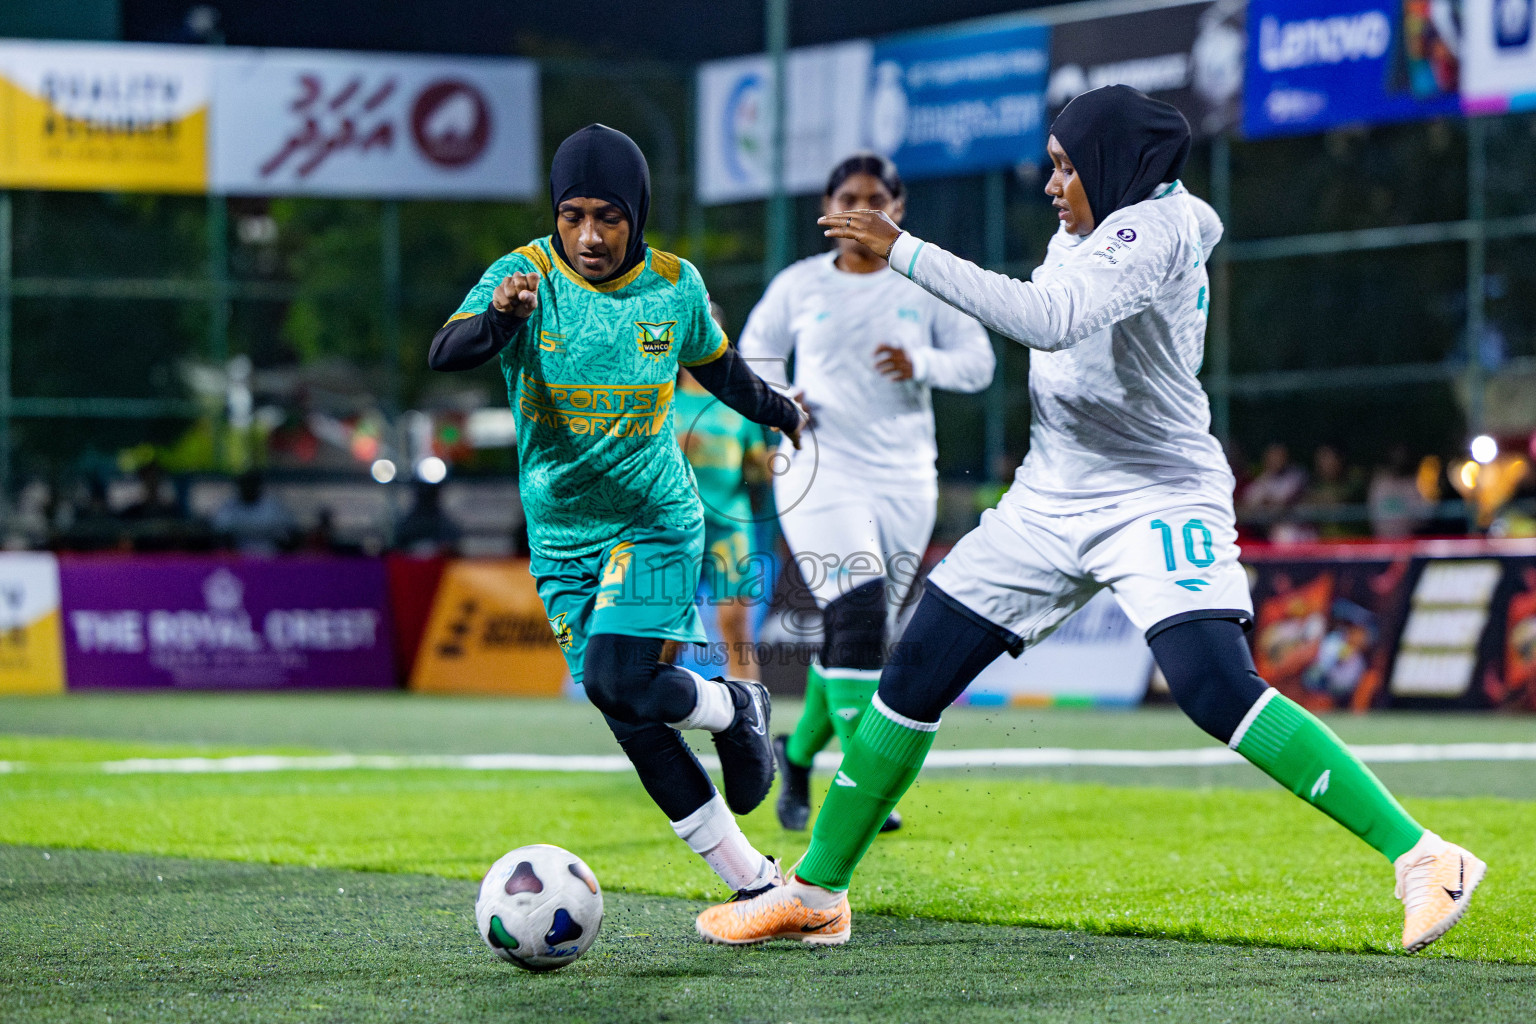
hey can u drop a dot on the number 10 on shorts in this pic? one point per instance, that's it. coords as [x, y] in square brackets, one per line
[1197, 544]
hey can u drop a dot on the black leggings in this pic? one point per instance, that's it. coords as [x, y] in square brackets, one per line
[853, 628]
[946, 645]
[638, 695]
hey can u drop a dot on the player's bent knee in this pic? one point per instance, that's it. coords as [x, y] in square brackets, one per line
[618, 672]
[854, 628]
[1210, 673]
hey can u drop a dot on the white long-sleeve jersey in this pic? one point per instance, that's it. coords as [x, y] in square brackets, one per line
[868, 428]
[1117, 323]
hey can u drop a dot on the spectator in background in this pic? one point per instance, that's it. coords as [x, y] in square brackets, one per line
[254, 522]
[1270, 495]
[156, 499]
[1335, 486]
[426, 528]
[93, 526]
[1397, 509]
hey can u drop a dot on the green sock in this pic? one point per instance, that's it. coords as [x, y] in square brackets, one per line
[879, 763]
[1291, 746]
[849, 691]
[814, 730]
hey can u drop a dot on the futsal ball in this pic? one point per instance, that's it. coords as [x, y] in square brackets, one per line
[539, 907]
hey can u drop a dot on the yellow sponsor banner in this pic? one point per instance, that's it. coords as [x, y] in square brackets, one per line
[488, 634]
[103, 116]
[31, 642]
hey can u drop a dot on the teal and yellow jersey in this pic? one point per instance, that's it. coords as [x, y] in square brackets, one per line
[716, 439]
[591, 377]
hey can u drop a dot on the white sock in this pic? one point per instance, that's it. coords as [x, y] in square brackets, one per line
[713, 708]
[712, 833]
[813, 896]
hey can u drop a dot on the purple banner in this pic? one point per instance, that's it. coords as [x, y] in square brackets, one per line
[225, 623]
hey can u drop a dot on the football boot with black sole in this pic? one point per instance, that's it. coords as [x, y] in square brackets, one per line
[746, 752]
[794, 806]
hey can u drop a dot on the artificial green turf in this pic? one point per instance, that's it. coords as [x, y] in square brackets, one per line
[93, 936]
[1225, 865]
[404, 723]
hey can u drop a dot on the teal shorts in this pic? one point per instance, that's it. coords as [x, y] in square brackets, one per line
[729, 570]
[643, 585]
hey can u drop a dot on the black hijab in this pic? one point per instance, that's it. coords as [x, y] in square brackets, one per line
[599, 162]
[1123, 144]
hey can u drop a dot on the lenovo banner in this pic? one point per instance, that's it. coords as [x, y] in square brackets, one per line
[1190, 55]
[225, 623]
[1319, 64]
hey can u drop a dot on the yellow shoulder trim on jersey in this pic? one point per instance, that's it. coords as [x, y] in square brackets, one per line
[725, 343]
[670, 267]
[538, 257]
[458, 316]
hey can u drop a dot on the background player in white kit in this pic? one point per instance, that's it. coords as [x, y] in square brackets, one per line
[857, 504]
[1124, 488]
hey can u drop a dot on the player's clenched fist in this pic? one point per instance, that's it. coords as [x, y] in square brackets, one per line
[517, 295]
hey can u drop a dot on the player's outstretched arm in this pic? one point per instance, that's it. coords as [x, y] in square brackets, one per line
[1096, 293]
[731, 380]
[472, 341]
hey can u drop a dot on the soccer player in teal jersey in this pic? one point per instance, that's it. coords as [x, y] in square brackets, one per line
[591, 326]
[726, 452]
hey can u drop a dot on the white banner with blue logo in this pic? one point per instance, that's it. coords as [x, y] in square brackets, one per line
[944, 103]
[824, 112]
[1498, 55]
[1319, 64]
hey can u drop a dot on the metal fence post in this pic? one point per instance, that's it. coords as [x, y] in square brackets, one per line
[217, 227]
[1477, 263]
[777, 243]
[389, 268]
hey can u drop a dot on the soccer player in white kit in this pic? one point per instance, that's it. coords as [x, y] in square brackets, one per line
[857, 504]
[1124, 488]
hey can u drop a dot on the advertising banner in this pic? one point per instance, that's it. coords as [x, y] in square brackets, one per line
[1096, 657]
[1498, 55]
[1189, 55]
[824, 110]
[1439, 624]
[1318, 64]
[1470, 635]
[31, 649]
[104, 116]
[314, 122]
[488, 634]
[956, 102]
[225, 623]
[1324, 630]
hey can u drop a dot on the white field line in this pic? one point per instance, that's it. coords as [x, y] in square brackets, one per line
[1011, 757]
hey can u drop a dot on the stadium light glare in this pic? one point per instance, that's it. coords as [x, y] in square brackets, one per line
[1484, 449]
[432, 470]
[383, 470]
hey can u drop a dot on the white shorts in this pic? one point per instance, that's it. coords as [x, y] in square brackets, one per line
[1166, 556]
[844, 541]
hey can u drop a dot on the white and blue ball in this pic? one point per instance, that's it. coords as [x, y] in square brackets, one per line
[539, 907]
